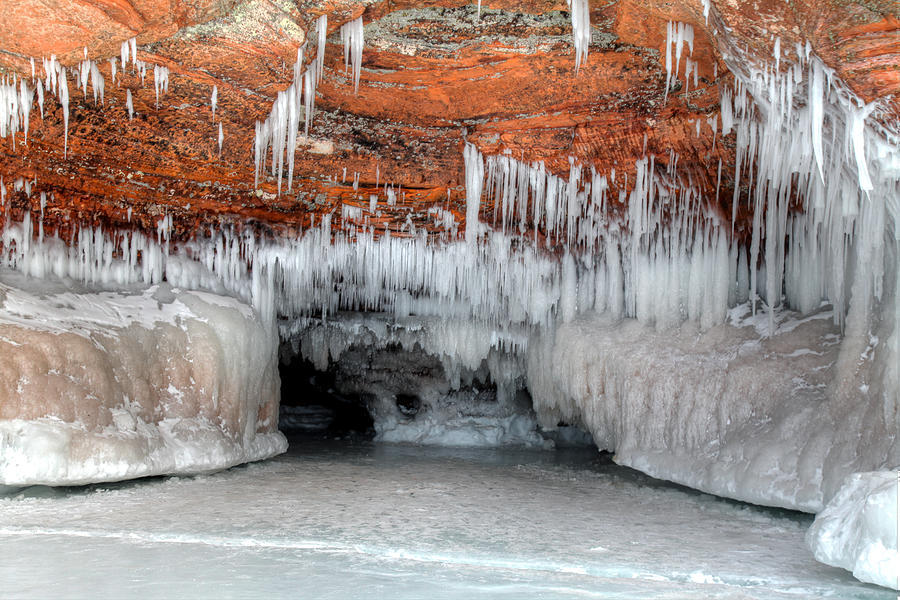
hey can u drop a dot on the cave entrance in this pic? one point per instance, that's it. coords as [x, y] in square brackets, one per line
[311, 405]
[347, 386]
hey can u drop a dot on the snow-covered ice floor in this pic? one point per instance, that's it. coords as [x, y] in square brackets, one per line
[338, 520]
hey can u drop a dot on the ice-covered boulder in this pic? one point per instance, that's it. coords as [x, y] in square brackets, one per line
[104, 386]
[858, 529]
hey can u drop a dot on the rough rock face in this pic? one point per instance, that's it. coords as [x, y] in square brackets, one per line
[433, 75]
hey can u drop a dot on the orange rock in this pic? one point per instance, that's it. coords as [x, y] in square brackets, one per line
[433, 76]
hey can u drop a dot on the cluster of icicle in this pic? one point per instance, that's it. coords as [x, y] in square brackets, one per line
[17, 96]
[803, 140]
[678, 34]
[489, 277]
[353, 41]
[280, 130]
[670, 259]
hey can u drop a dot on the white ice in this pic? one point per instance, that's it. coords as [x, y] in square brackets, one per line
[381, 520]
[103, 386]
[858, 530]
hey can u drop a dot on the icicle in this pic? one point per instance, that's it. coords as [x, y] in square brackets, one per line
[581, 29]
[309, 97]
[40, 95]
[352, 38]
[132, 43]
[221, 139]
[160, 81]
[474, 182]
[322, 31]
[98, 84]
[816, 113]
[776, 51]
[25, 99]
[213, 100]
[857, 135]
[129, 103]
[112, 69]
[64, 101]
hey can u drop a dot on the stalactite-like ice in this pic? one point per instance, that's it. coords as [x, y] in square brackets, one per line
[160, 81]
[279, 131]
[352, 38]
[677, 34]
[580, 12]
[322, 35]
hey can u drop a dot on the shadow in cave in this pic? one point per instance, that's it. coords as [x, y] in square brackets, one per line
[311, 407]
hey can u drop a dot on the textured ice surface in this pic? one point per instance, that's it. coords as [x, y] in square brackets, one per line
[100, 386]
[385, 521]
[740, 411]
[858, 529]
[463, 386]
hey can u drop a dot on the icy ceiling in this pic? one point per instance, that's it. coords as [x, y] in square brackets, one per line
[432, 75]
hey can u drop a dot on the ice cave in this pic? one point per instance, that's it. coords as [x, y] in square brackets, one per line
[367, 299]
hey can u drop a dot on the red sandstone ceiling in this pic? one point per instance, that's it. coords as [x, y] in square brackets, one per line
[434, 74]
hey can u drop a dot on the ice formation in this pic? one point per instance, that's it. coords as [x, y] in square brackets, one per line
[322, 35]
[214, 100]
[858, 530]
[116, 385]
[279, 131]
[352, 39]
[581, 29]
[456, 403]
[647, 322]
[677, 34]
[160, 81]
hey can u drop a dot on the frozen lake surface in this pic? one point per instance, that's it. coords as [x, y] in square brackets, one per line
[362, 520]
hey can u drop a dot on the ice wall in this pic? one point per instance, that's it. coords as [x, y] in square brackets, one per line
[104, 386]
[858, 530]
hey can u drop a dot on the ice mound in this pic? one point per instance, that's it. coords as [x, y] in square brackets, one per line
[104, 386]
[769, 417]
[857, 531]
